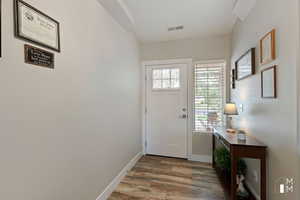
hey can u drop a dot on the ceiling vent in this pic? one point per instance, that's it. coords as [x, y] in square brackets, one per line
[176, 28]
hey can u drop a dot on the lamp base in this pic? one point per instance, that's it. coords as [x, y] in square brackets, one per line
[230, 130]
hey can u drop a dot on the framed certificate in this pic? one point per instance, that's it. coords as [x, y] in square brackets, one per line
[34, 26]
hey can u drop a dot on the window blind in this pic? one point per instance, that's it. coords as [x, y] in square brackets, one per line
[208, 96]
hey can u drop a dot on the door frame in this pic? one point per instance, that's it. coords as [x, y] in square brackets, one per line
[189, 63]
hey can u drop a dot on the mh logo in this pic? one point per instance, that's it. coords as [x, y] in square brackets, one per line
[284, 185]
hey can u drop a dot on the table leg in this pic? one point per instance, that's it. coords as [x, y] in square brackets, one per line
[233, 188]
[263, 184]
[213, 152]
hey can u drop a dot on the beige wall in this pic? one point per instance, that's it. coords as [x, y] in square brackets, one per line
[66, 133]
[273, 121]
[199, 49]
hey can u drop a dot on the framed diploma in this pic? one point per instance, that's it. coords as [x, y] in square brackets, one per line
[34, 26]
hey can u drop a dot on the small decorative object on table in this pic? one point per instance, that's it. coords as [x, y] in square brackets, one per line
[241, 135]
[230, 109]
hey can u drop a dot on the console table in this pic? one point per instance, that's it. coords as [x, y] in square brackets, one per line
[251, 148]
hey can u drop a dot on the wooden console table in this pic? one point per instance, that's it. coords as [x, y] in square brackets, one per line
[251, 148]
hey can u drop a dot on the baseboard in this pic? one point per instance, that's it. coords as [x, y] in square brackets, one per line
[201, 158]
[249, 186]
[115, 182]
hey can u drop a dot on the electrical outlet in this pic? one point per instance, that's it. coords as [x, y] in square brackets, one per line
[241, 108]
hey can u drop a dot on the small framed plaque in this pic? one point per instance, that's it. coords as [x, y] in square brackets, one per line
[39, 57]
[34, 26]
[268, 83]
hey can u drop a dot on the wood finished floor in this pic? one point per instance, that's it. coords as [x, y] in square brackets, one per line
[160, 178]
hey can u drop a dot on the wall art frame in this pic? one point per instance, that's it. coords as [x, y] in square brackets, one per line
[245, 65]
[34, 26]
[269, 82]
[268, 48]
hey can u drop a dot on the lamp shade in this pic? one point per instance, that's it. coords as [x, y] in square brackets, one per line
[230, 109]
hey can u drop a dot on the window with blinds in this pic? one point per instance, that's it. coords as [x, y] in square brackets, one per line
[209, 96]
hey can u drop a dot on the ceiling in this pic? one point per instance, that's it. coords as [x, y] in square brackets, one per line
[200, 18]
[150, 19]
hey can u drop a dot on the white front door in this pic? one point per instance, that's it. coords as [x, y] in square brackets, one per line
[166, 119]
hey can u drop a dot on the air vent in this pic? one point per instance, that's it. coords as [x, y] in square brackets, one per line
[176, 28]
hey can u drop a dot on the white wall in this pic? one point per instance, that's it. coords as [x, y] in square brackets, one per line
[272, 121]
[199, 49]
[66, 133]
[210, 48]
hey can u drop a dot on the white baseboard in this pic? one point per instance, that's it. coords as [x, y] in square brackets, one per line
[249, 186]
[115, 182]
[201, 158]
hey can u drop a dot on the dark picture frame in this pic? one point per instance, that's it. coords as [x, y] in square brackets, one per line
[245, 65]
[233, 78]
[269, 83]
[48, 21]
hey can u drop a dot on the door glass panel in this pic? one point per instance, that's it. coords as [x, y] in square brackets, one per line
[166, 73]
[166, 84]
[157, 74]
[157, 84]
[175, 74]
[166, 78]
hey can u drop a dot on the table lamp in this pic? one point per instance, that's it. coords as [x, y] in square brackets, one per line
[230, 110]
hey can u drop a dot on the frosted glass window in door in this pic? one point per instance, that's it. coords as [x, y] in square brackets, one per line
[168, 78]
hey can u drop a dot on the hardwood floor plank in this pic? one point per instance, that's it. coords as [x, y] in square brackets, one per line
[161, 178]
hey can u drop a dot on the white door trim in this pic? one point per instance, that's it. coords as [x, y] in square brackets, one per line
[189, 63]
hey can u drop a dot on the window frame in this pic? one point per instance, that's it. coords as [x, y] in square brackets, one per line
[225, 90]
